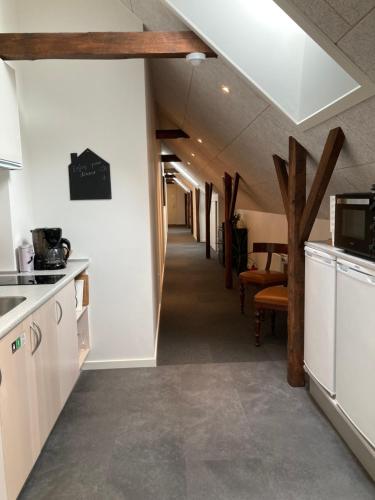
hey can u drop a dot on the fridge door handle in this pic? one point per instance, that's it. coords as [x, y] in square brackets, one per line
[357, 275]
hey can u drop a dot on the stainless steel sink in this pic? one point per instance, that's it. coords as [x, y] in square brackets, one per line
[9, 303]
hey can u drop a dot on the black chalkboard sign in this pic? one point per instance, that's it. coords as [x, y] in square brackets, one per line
[89, 177]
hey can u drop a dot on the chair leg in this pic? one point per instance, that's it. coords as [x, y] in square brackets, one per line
[242, 297]
[259, 317]
[273, 322]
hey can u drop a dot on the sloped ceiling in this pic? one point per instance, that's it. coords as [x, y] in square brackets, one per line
[241, 130]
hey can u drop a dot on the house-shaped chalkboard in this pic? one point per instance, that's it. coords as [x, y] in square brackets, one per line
[89, 177]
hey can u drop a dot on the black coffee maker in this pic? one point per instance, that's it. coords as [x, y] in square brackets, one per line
[51, 250]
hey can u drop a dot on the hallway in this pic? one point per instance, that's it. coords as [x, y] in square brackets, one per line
[200, 319]
[220, 422]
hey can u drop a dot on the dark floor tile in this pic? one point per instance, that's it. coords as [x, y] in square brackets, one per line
[244, 479]
[145, 480]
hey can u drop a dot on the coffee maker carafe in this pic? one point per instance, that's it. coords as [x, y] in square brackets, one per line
[51, 250]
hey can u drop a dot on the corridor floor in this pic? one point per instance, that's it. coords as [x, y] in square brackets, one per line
[216, 420]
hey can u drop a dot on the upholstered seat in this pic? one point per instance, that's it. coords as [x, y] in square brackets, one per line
[274, 295]
[274, 298]
[263, 278]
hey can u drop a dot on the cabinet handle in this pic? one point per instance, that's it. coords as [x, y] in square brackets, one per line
[35, 333]
[1, 377]
[61, 312]
[39, 332]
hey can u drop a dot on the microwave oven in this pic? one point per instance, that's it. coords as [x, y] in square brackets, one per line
[355, 223]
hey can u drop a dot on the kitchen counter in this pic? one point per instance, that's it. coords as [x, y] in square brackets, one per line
[340, 254]
[36, 295]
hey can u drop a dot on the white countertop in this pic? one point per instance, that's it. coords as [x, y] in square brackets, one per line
[340, 254]
[36, 295]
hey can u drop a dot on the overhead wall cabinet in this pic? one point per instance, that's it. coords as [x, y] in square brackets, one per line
[10, 136]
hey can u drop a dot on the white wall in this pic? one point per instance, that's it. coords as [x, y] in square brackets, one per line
[71, 105]
[176, 204]
[155, 172]
[273, 228]
[7, 255]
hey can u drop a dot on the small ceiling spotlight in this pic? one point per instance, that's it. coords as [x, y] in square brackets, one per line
[225, 89]
[200, 141]
[196, 58]
[193, 155]
[189, 162]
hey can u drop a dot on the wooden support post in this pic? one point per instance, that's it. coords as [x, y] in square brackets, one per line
[301, 217]
[323, 175]
[228, 231]
[296, 263]
[197, 208]
[208, 188]
[186, 210]
[282, 176]
[234, 196]
[191, 212]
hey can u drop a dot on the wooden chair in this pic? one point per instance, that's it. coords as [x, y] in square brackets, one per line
[274, 298]
[263, 278]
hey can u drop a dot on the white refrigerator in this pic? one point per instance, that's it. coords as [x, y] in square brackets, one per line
[355, 372]
[320, 318]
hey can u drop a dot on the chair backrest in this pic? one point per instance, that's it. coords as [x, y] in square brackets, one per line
[270, 248]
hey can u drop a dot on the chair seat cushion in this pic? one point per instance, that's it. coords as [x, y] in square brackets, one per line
[274, 295]
[263, 277]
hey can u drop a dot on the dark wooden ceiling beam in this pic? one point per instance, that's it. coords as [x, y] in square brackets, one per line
[170, 158]
[171, 134]
[332, 149]
[100, 45]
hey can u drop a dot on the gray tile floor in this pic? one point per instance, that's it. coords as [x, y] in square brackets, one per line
[215, 421]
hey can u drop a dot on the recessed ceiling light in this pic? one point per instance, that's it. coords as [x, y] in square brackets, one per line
[193, 155]
[225, 89]
[189, 162]
[200, 141]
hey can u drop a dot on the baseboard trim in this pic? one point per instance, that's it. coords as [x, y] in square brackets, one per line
[354, 440]
[115, 364]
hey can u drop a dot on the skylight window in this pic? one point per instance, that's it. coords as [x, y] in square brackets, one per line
[293, 71]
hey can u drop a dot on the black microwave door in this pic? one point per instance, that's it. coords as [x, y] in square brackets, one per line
[352, 228]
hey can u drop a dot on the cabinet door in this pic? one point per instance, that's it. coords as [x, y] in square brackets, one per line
[10, 140]
[18, 416]
[67, 340]
[46, 369]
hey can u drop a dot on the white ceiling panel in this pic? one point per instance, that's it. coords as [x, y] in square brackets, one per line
[156, 16]
[361, 178]
[325, 17]
[352, 10]
[359, 43]
[221, 117]
[171, 79]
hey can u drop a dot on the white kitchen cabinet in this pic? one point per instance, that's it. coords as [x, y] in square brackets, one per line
[10, 138]
[18, 412]
[46, 368]
[67, 340]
